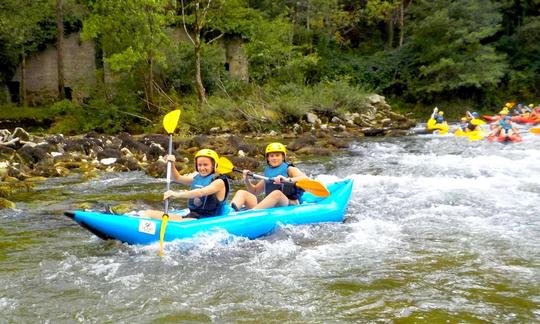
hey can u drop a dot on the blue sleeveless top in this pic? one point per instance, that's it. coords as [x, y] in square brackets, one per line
[290, 190]
[208, 205]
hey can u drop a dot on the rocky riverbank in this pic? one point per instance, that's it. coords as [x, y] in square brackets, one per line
[26, 158]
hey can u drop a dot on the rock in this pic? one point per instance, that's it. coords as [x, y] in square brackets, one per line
[386, 122]
[108, 153]
[32, 155]
[214, 130]
[375, 99]
[312, 118]
[336, 120]
[372, 131]
[130, 163]
[302, 141]
[4, 203]
[273, 133]
[5, 135]
[108, 161]
[155, 151]
[311, 150]
[21, 134]
[200, 141]
[156, 169]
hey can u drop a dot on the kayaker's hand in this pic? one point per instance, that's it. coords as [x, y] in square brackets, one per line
[171, 194]
[280, 179]
[245, 174]
[170, 158]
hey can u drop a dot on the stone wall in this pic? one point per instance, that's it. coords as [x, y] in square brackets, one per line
[80, 67]
[42, 76]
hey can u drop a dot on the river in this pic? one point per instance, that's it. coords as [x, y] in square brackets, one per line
[438, 229]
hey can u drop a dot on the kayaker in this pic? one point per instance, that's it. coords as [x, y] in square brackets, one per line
[208, 190]
[505, 128]
[472, 121]
[278, 192]
[463, 125]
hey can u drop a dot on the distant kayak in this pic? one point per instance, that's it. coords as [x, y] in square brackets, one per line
[502, 139]
[433, 126]
[249, 223]
[525, 120]
[472, 136]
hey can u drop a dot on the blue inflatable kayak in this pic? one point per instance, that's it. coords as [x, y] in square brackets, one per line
[249, 223]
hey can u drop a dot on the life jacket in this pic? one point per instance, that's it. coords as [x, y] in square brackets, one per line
[464, 126]
[504, 125]
[470, 126]
[439, 119]
[289, 189]
[208, 205]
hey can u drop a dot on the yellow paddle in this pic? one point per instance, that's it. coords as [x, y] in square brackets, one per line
[169, 123]
[535, 130]
[312, 186]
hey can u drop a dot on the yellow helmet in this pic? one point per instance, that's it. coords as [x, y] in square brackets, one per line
[509, 104]
[275, 147]
[531, 105]
[441, 112]
[503, 112]
[464, 119]
[207, 153]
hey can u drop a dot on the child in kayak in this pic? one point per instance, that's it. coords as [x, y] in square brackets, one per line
[504, 128]
[208, 191]
[280, 191]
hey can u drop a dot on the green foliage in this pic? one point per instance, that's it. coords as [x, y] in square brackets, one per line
[523, 47]
[179, 70]
[447, 46]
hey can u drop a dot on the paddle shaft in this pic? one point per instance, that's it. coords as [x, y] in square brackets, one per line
[169, 171]
[257, 176]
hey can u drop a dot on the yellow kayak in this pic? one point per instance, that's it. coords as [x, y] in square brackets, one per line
[432, 125]
[473, 136]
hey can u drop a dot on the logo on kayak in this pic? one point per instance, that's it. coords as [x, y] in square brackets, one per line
[146, 226]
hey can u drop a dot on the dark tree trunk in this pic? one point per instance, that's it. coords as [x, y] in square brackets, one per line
[60, 49]
[22, 87]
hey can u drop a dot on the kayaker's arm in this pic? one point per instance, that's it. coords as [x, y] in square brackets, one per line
[252, 188]
[295, 174]
[213, 188]
[177, 177]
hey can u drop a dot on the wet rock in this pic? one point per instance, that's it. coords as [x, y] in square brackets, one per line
[133, 145]
[312, 118]
[239, 145]
[130, 163]
[156, 169]
[312, 150]
[109, 153]
[372, 131]
[32, 155]
[338, 143]
[162, 140]
[200, 141]
[21, 134]
[108, 161]
[4, 203]
[302, 141]
[155, 151]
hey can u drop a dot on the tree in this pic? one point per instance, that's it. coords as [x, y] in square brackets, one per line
[20, 27]
[132, 34]
[60, 48]
[447, 44]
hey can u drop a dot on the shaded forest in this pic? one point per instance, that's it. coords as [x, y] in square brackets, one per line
[323, 56]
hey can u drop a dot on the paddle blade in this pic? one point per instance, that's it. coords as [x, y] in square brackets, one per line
[535, 130]
[477, 122]
[164, 221]
[171, 120]
[314, 187]
[225, 166]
